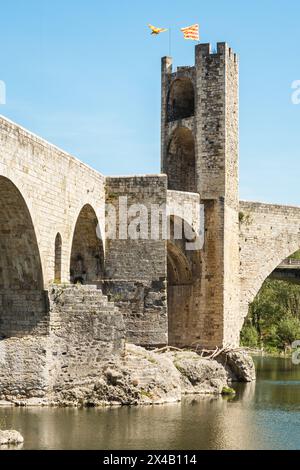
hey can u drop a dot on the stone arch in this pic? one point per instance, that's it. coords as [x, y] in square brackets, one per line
[87, 253]
[181, 161]
[183, 290]
[57, 258]
[268, 235]
[181, 99]
[256, 283]
[269, 265]
[179, 270]
[21, 277]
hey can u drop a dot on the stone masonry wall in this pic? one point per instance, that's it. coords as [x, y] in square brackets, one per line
[136, 269]
[211, 330]
[86, 332]
[24, 367]
[217, 169]
[231, 224]
[23, 312]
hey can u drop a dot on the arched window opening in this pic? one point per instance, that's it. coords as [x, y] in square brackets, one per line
[181, 100]
[180, 164]
[87, 255]
[57, 258]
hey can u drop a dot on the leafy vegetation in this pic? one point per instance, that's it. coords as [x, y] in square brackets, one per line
[228, 391]
[295, 255]
[273, 321]
[244, 218]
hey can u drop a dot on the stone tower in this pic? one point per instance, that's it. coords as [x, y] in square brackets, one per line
[199, 153]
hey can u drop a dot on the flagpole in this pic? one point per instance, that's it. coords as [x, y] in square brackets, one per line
[169, 42]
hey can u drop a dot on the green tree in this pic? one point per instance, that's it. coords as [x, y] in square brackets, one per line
[249, 336]
[274, 315]
[295, 255]
[288, 330]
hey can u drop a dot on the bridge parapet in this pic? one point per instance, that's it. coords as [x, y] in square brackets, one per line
[289, 263]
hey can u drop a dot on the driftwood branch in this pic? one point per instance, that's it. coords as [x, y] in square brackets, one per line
[209, 354]
[167, 349]
[213, 353]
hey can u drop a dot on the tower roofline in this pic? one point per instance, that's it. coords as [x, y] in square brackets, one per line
[206, 49]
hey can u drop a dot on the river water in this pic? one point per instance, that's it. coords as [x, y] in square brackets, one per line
[265, 415]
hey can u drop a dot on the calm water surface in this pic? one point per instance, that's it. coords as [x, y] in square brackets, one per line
[265, 415]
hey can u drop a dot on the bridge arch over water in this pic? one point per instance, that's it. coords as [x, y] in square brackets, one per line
[269, 234]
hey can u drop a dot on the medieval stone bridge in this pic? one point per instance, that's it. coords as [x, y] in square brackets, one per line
[53, 224]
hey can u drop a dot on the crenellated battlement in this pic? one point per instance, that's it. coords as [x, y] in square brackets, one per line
[204, 50]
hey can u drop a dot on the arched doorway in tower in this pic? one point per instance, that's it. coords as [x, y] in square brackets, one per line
[87, 254]
[181, 99]
[22, 296]
[180, 162]
[183, 291]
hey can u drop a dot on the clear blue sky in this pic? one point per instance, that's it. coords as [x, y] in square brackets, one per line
[85, 75]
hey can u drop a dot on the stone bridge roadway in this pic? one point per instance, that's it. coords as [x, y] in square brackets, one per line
[288, 270]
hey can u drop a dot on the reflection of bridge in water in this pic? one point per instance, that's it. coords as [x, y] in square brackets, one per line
[288, 270]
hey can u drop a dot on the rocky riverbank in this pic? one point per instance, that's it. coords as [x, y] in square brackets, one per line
[145, 377]
[10, 438]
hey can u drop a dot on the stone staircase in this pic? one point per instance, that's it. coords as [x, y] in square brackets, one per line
[86, 331]
[71, 300]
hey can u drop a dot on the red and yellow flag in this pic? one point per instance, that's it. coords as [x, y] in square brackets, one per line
[155, 30]
[191, 32]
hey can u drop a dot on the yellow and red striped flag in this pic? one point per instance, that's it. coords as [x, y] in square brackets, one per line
[191, 32]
